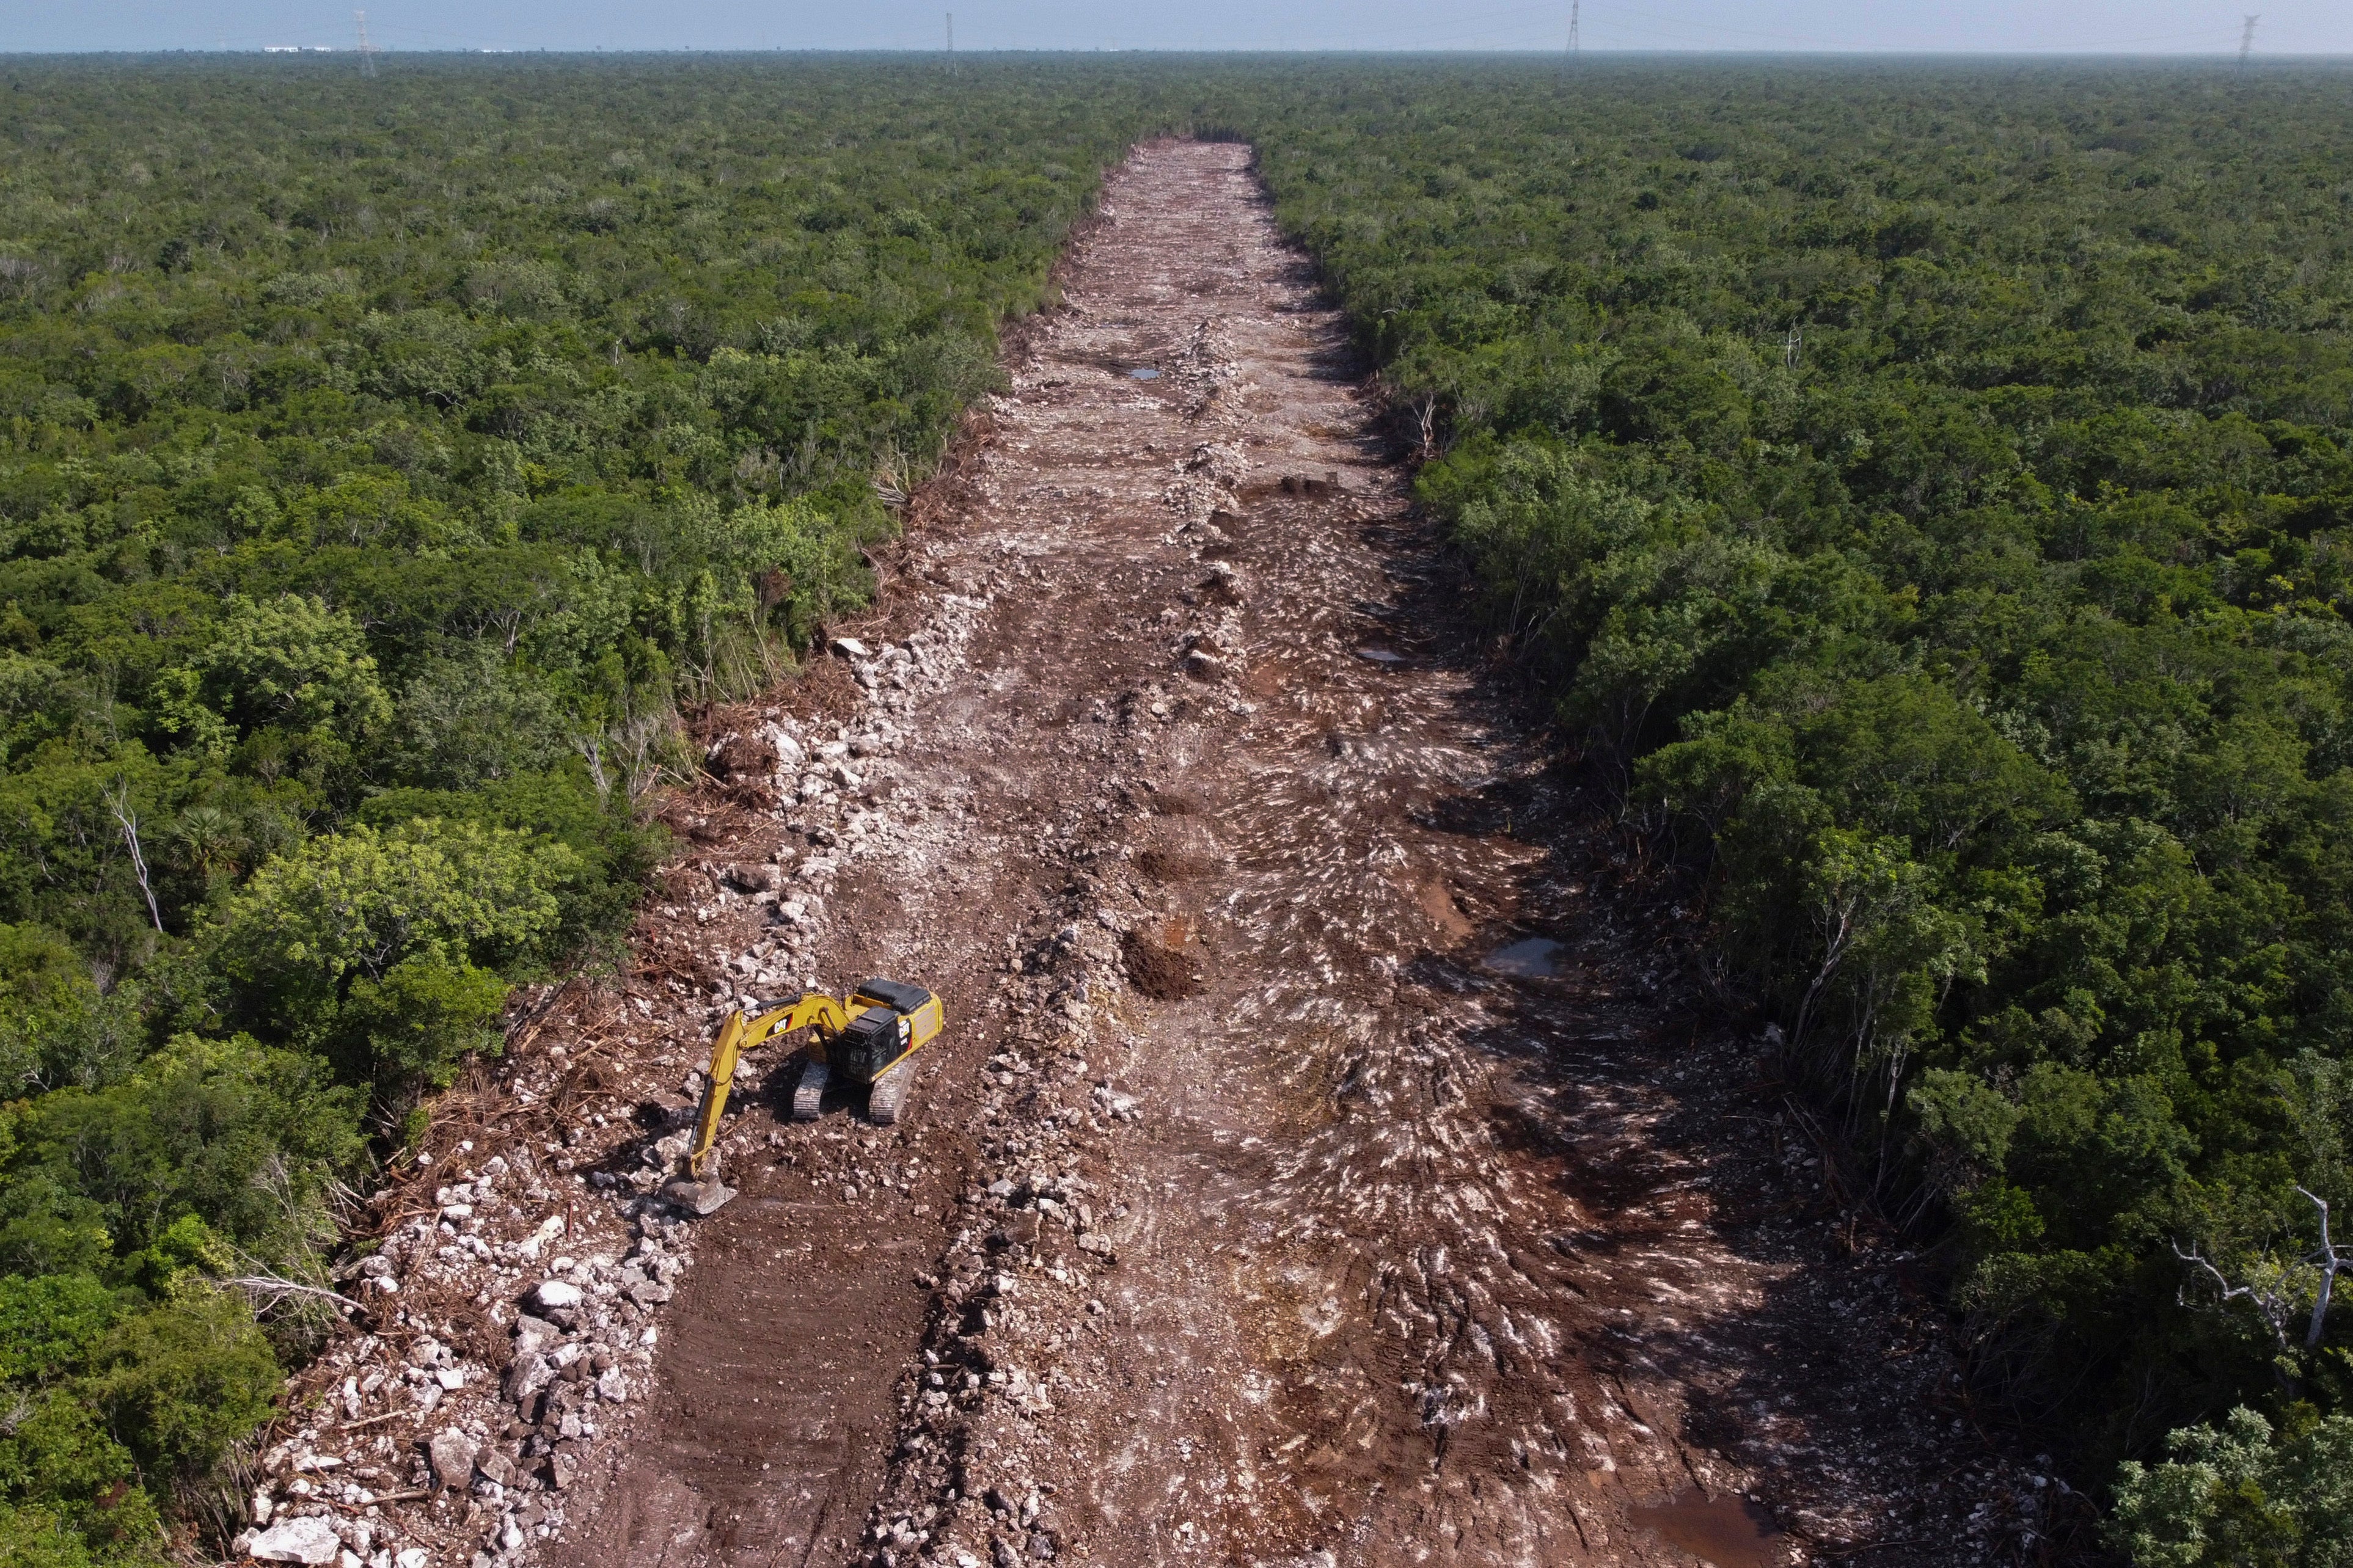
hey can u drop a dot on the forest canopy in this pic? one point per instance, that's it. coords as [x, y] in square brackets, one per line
[1918, 492]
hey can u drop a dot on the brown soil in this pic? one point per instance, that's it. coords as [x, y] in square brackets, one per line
[1156, 969]
[1363, 1251]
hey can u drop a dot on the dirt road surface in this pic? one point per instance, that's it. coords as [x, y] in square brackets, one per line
[1323, 1164]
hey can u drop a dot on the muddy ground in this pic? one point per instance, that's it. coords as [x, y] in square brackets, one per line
[1326, 1161]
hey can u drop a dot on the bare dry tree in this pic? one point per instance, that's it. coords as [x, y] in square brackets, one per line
[118, 801]
[2269, 1292]
[2328, 1260]
[893, 477]
[1425, 414]
[2276, 1290]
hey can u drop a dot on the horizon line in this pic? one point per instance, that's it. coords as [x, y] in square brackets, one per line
[1552, 52]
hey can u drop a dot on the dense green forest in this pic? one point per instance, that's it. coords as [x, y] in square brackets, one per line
[1921, 493]
[383, 464]
[1925, 492]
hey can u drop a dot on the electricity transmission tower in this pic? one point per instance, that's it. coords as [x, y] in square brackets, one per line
[367, 50]
[2247, 38]
[1572, 28]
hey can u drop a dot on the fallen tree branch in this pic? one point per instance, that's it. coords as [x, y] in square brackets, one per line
[275, 1286]
[375, 1420]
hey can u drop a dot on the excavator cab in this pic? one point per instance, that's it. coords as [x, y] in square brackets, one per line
[869, 1038]
[864, 1051]
[895, 1020]
[885, 1023]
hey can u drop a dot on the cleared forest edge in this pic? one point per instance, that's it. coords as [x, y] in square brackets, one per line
[1323, 1164]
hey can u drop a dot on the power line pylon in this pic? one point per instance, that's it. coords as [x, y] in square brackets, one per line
[367, 50]
[2247, 38]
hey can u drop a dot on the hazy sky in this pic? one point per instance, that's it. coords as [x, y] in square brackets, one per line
[2135, 26]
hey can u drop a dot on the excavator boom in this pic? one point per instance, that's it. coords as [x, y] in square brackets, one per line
[738, 1036]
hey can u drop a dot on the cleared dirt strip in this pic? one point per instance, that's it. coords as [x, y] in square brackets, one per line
[1323, 1164]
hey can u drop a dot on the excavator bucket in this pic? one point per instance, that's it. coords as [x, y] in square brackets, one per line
[700, 1197]
[698, 1189]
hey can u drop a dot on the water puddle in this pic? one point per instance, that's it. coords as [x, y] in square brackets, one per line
[1144, 372]
[1538, 958]
[1729, 1532]
[1381, 656]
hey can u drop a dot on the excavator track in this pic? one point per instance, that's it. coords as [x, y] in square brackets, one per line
[808, 1095]
[889, 1093]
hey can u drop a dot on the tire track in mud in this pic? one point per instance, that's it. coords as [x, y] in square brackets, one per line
[1345, 1244]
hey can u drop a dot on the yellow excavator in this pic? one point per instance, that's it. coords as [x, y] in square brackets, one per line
[868, 1037]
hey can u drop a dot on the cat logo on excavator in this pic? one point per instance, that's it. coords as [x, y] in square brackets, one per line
[869, 1038]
